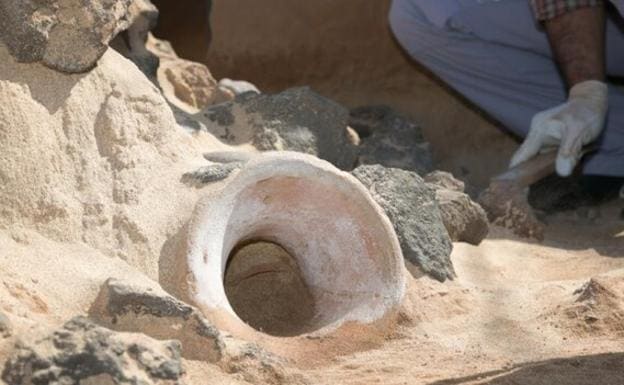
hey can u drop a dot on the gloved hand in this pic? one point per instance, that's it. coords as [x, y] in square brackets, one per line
[570, 126]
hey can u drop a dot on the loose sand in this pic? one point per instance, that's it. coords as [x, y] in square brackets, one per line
[518, 313]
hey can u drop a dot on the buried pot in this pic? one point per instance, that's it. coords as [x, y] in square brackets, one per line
[291, 245]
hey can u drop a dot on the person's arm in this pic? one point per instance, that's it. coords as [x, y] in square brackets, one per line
[576, 30]
[577, 39]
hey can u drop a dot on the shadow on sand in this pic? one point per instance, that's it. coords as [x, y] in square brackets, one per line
[603, 369]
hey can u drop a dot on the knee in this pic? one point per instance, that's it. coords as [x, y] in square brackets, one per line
[398, 17]
[409, 25]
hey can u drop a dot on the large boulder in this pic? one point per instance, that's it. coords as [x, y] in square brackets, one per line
[411, 206]
[297, 119]
[129, 307]
[390, 139]
[83, 353]
[67, 35]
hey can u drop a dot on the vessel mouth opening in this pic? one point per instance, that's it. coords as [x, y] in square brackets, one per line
[266, 289]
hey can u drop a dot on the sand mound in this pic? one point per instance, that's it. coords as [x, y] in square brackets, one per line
[598, 308]
[88, 158]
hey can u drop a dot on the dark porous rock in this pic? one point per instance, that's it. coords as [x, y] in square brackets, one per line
[464, 219]
[69, 36]
[411, 206]
[390, 139]
[297, 119]
[82, 352]
[128, 307]
[211, 173]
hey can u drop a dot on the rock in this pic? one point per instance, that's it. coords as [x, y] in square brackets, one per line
[238, 87]
[390, 139]
[81, 353]
[66, 35]
[212, 173]
[411, 206]
[223, 164]
[189, 85]
[229, 156]
[507, 206]
[445, 180]
[127, 307]
[464, 219]
[297, 119]
[131, 43]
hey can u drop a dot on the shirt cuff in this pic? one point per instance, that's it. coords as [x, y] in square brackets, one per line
[545, 10]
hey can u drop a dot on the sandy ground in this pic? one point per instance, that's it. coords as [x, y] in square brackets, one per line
[519, 312]
[511, 317]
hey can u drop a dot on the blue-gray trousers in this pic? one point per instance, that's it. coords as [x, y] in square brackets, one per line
[495, 54]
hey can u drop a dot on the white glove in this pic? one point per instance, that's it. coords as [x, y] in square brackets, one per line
[570, 126]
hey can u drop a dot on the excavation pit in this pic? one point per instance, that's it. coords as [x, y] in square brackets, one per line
[291, 245]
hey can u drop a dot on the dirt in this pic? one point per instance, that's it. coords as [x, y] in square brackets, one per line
[266, 290]
[518, 313]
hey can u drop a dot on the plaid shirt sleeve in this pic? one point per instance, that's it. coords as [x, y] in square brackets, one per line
[549, 9]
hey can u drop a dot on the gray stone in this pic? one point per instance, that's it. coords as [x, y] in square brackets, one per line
[229, 156]
[297, 119]
[211, 173]
[123, 306]
[390, 139]
[66, 35]
[82, 352]
[464, 219]
[411, 206]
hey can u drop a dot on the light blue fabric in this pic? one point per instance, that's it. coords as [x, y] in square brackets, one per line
[494, 53]
[439, 11]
